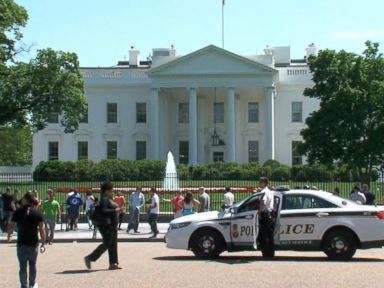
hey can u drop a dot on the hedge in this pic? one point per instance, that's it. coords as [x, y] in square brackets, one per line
[142, 170]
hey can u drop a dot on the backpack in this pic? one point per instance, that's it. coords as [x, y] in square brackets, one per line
[95, 214]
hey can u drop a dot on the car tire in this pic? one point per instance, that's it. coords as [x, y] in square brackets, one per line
[207, 244]
[340, 244]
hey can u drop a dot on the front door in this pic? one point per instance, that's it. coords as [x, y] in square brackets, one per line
[243, 223]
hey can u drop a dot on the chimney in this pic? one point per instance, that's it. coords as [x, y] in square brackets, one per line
[134, 57]
[311, 50]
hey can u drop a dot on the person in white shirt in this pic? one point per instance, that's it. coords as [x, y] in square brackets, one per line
[136, 201]
[266, 220]
[357, 196]
[229, 198]
[154, 210]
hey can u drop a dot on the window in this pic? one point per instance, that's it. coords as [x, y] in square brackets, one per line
[141, 112]
[141, 150]
[305, 202]
[183, 113]
[183, 152]
[111, 149]
[218, 112]
[253, 112]
[111, 112]
[218, 156]
[53, 117]
[82, 150]
[84, 118]
[253, 151]
[297, 159]
[53, 150]
[297, 111]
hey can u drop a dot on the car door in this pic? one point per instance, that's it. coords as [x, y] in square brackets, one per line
[243, 222]
[302, 219]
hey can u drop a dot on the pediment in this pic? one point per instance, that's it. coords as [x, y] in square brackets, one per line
[211, 60]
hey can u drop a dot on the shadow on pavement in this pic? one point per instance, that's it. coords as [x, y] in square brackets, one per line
[249, 259]
[83, 271]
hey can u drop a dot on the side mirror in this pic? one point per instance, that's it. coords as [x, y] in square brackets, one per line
[233, 210]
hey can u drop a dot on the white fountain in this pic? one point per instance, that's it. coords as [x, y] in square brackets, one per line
[171, 181]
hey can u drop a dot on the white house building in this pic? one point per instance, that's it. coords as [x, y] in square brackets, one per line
[209, 105]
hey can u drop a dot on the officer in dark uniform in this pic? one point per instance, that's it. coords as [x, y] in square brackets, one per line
[266, 220]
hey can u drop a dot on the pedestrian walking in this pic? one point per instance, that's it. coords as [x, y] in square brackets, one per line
[29, 223]
[89, 201]
[52, 214]
[154, 210]
[107, 226]
[136, 201]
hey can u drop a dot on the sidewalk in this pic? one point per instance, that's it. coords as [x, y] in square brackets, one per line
[86, 235]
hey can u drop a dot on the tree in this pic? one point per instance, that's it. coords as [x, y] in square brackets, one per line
[31, 92]
[349, 126]
[16, 147]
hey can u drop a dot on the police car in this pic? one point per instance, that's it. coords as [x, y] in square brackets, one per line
[307, 220]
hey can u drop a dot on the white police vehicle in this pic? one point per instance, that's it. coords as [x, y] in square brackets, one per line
[307, 220]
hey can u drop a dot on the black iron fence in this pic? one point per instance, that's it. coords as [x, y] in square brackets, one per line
[20, 183]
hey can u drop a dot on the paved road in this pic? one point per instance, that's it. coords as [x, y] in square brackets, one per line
[153, 265]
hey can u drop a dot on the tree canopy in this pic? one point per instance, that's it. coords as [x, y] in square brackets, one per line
[349, 125]
[49, 83]
[16, 146]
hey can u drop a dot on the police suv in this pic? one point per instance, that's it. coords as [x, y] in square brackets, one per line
[306, 220]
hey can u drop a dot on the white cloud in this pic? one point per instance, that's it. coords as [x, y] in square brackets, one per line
[358, 34]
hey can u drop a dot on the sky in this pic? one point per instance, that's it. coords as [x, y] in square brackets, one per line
[101, 32]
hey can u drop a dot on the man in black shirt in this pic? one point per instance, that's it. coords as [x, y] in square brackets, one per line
[368, 195]
[29, 222]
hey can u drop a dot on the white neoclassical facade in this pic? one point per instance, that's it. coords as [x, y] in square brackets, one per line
[210, 105]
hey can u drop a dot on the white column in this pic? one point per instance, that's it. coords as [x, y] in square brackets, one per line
[192, 93]
[155, 124]
[269, 120]
[231, 126]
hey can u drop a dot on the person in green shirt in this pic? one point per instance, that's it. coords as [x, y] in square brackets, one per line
[51, 210]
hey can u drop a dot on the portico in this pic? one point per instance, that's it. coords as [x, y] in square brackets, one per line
[236, 79]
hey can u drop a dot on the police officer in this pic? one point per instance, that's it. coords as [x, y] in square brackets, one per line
[266, 220]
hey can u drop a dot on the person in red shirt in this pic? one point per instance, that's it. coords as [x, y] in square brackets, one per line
[120, 201]
[177, 203]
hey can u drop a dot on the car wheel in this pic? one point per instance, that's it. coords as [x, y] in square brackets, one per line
[207, 244]
[340, 244]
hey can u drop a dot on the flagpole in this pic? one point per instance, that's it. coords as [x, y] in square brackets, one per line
[222, 23]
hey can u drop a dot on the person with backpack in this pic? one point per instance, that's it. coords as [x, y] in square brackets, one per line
[106, 211]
